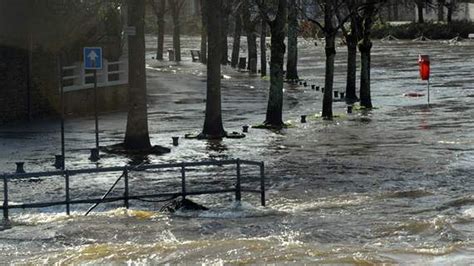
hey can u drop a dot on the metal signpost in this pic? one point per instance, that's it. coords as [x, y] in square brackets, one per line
[93, 61]
[61, 161]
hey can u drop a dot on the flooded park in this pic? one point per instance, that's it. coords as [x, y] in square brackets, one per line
[388, 186]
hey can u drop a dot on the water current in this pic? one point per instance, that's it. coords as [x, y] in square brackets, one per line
[393, 185]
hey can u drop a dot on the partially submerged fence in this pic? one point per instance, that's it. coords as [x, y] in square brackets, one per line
[126, 197]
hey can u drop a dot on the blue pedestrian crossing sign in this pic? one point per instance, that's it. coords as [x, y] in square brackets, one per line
[92, 58]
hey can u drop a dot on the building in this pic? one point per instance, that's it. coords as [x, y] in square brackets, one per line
[38, 35]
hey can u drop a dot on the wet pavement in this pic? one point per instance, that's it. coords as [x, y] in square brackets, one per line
[389, 186]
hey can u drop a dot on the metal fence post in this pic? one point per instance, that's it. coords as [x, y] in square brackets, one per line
[126, 203]
[262, 183]
[183, 181]
[238, 195]
[5, 198]
[68, 197]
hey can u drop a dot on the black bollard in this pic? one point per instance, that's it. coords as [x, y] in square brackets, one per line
[301, 82]
[305, 84]
[245, 129]
[303, 119]
[58, 161]
[336, 94]
[313, 87]
[175, 141]
[349, 109]
[317, 88]
[94, 155]
[259, 71]
[342, 95]
[20, 169]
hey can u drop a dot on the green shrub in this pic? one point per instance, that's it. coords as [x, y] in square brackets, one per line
[435, 31]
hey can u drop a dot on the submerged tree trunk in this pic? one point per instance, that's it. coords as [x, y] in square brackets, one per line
[292, 61]
[136, 135]
[365, 47]
[263, 49]
[352, 39]
[330, 34]
[203, 57]
[365, 98]
[237, 34]
[274, 115]
[213, 127]
[329, 76]
[351, 96]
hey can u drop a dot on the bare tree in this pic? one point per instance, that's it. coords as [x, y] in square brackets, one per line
[159, 8]
[330, 29]
[236, 37]
[250, 22]
[176, 6]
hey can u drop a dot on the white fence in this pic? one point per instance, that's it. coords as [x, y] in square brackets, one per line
[75, 78]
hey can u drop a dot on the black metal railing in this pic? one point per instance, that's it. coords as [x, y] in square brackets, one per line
[67, 202]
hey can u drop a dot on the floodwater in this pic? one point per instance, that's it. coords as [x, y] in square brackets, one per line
[389, 186]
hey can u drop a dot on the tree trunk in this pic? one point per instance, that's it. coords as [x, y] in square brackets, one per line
[213, 127]
[292, 60]
[420, 13]
[225, 33]
[365, 47]
[176, 40]
[365, 98]
[161, 30]
[175, 10]
[396, 15]
[203, 57]
[263, 49]
[274, 116]
[441, 10]
[252, 48]
[251, 36]
[136, 135]
[451, 6]
[330, 34]
[329, 76]
[351, 96]
[236, 45]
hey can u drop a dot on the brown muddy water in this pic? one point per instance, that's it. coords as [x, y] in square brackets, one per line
[393, 186]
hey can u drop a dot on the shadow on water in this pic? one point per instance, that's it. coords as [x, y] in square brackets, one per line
[216, 145]
[135, 160]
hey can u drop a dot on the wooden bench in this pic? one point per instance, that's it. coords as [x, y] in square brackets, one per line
[196, 55]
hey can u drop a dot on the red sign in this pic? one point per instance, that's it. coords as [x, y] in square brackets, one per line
[424, 62]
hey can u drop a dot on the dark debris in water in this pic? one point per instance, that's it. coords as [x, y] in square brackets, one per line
[182, 205]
